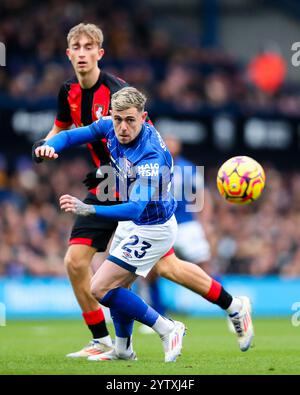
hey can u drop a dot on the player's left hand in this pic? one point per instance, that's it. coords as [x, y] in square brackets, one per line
[71, 204]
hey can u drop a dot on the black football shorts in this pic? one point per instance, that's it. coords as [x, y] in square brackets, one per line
[92, 230]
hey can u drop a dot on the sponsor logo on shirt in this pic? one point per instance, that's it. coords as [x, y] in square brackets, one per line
[148, 170]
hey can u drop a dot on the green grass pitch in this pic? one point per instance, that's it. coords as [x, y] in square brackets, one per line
[39, 347]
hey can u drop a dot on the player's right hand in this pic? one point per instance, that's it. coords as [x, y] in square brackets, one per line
[35, 145]
[71, 204]
[46, 152]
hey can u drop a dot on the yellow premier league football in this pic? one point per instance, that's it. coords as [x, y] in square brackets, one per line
[241, 180]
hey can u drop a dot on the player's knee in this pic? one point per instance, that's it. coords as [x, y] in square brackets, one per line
[98, 291]
[75, 264]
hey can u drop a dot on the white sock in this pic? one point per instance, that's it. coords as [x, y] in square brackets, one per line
[163, 326]
[105, 340]
[123, 346]
[235, 306]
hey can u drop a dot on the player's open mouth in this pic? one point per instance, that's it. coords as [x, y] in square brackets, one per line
[82, 63]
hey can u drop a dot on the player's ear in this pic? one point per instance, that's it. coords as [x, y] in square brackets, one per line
[144, 116]
[68, 53]
[101, 52]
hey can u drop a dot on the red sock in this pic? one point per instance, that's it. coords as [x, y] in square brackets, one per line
[218, 295]
[95, 320]
[93, 317]
[214, 291]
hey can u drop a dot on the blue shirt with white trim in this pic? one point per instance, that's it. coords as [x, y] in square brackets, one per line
[144, 170]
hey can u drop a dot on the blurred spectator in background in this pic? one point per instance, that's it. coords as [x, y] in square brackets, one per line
[34, 234]
[175, 76]
[267, 71]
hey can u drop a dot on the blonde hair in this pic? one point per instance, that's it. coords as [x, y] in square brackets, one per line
[90, 30]
[128, 97]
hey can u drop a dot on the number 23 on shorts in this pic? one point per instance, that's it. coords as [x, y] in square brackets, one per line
[141, 251]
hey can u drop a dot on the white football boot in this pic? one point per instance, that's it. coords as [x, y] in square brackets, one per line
[242, 323]
[172, 342]
[112, 356]
[93, 348]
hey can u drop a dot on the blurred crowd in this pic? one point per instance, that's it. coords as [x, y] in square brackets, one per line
[176, 76]
[33, 233]
[261, 238]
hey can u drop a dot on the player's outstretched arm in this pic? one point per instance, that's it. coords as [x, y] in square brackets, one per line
[71, 204]
[48, 149]
[54, 131]
[66, 139]
[122, 212]
[128, 211]
[70, 138]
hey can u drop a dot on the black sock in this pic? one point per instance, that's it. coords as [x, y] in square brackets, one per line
[99, 330]
[224, 300]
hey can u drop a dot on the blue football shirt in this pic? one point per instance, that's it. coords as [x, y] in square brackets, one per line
[143, 165]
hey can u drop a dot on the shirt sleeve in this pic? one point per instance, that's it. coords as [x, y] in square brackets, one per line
[139, 198]
[148, 185]
[86, 134]
[63, 117]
